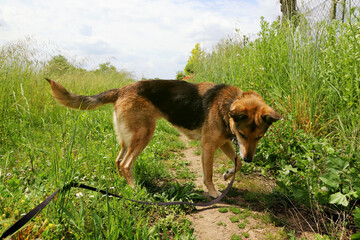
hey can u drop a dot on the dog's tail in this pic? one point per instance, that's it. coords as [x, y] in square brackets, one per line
[82, 102]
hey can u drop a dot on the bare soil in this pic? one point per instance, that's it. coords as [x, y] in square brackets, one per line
[256, 215]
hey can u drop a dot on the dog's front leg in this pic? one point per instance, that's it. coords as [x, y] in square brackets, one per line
[230, 153]
[207, 160]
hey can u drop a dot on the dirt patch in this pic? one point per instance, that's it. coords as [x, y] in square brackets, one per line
[237, 214]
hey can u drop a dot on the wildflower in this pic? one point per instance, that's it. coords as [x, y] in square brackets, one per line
[79, 194]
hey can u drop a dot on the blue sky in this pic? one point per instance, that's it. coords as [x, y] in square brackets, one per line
[149, 38]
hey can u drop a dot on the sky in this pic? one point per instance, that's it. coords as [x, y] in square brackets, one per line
[151, 39]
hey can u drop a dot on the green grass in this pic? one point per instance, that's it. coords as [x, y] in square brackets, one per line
[223, 210]
[234, 219]
[242, 225]
[44, 146]
[311, 77]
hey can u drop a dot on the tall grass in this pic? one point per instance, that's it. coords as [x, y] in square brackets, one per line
[312, 77]
[310, 74]
[44, 146]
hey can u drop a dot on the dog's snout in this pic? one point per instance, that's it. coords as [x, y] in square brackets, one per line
[247, 159]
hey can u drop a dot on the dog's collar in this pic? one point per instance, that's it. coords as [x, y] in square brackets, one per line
[236, 143]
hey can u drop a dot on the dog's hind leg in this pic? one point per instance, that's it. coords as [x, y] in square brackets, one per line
[120, 157]
[230, 153]
[122, 136]
[138, 142]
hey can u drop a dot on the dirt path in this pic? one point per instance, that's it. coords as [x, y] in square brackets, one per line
[241, 215]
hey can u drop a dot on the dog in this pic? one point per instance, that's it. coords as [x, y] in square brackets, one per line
[208, 112]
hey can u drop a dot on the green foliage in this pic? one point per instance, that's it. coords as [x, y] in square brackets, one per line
[180, 75]
[196, 55]
[59, 65]
[106, 67]
[234, 219]
[235, 237]
[357, 223]
[245, 234]
[223, 210]
[242, 225]
[235, 210]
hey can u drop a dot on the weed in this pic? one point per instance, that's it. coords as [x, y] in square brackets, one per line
[242, 225]
[223, 210]
[235, 237]
[245, 234]
[245, 214]
[235, 210]
[221, 224]
[234, 219]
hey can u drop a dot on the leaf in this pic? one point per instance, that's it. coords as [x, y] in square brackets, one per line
[336, 163]
[339, 198]
[301, 194]
[355, 236]
[331, 179]
[357, 216]
[356, 185]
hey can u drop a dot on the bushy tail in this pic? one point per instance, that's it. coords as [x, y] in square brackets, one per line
[81, 102]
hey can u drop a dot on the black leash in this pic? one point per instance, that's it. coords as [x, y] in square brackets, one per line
[26, 218]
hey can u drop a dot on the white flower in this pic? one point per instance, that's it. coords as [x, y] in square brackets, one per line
[79, 194]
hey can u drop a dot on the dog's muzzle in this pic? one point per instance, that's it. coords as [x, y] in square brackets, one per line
[247, 159]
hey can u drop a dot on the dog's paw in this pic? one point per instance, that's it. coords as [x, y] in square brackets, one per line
[228, 175]
[215, 194]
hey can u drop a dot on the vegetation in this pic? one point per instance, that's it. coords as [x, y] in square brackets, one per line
[44, 146]
[196, 54]
[312, 77]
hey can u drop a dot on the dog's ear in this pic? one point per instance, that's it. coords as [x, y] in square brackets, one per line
[271, 117]
[238, 116]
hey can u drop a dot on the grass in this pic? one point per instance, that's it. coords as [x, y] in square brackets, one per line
[223, 210]
[311, 76]
[234, 219]
[44, 146]
[242, 225]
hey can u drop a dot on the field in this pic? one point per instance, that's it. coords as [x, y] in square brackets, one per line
[311, 76]
[45, 146]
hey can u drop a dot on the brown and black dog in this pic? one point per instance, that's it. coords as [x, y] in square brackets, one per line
[211, 113]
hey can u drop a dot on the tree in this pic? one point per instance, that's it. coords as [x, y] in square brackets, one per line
[180, 75]
[106, 68]
[196, 55]
[59, 65]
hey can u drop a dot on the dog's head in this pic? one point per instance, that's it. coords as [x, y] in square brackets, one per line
[250, 118]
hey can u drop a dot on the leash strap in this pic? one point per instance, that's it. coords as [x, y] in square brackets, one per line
[22, 221]
[204, 204]
[25, 219]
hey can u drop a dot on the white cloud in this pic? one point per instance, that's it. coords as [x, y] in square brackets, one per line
[149, 38]
[86, 30]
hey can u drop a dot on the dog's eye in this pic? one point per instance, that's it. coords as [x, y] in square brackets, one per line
[242, 135]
